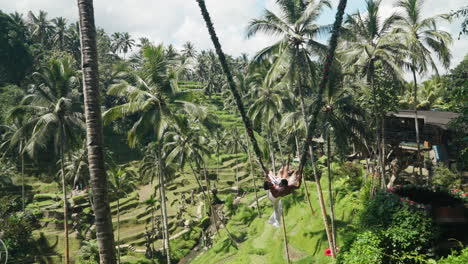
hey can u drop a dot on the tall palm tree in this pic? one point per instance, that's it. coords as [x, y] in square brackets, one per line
[72, 42]
[422, 37]
[13, 141]
[312, 125]
[342, 121]
[127, 43]
[121, 183]
[370, 41]
[59, 32]
[188, 50]
[154, 165]
[90, 70]
[56, 117]
[77, 168]
[40, 26]
[297, 31]
[145, 98]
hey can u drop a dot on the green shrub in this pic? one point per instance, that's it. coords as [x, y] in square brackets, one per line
[89, 253]
[445, 177]
[411, 230]
[364, 250]
[379, 210]
[456, 258]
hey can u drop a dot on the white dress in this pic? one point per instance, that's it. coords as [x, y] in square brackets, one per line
[275, 218]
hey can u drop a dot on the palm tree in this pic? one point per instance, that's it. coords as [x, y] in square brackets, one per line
[154, 165]
[143, 42]
[189, 50]
[127, 43]
[297, 31]
[370, 41]
[14, 140]
[121, 183]
[233, 143]
[313, 121]
[77, 168]
[105, 235]
[421, 37]
[341, 119]
[72, 42]
[145, 98]
[59, 32]
[56, 117]
[41, 26]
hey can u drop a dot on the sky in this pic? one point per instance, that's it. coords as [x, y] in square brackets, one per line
[178, 21]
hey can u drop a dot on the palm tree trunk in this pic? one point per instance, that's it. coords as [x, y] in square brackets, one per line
[237, 168]
[201, 188]
[370, 79]
[382, 151]
[330, 193]
[162, 190]
[416, 124]
[285, 236]
[279, 145]
[272, 151]
[217, 165]
[65, 205]
[232, 85]
[22, 176]
[103, 219]
[252, 171]
[118, 230]
[313, 122]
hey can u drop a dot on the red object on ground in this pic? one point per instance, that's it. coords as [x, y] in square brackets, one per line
[328, 252]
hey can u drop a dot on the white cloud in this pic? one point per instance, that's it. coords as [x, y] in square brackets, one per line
[178, 21]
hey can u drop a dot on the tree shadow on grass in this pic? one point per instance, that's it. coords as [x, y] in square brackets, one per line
[44, 250]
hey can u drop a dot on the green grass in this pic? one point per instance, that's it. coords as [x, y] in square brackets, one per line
[265, 244]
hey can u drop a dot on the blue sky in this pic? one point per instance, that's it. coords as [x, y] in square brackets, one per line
[178, 21]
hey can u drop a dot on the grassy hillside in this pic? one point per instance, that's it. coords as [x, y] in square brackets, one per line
[263, 243]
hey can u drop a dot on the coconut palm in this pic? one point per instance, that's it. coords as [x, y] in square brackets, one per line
[122, 181]
[12, 142]
[90, 70]
[370, 41]
[154, 165]
[145, 98]
[342, 121]
[77, 168]
[72, 41]
[56, 117]
[59, 32]
[295, 25]
[312, 125]
[421, 37]
[40, 26]
[188, 50]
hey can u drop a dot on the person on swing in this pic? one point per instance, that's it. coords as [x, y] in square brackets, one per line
[284, 183]
[279, 186]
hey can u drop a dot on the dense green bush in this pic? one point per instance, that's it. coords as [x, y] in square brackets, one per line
[392, 232]
[443, 176]
[89, 253]
[365, 249]
[456, 258]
